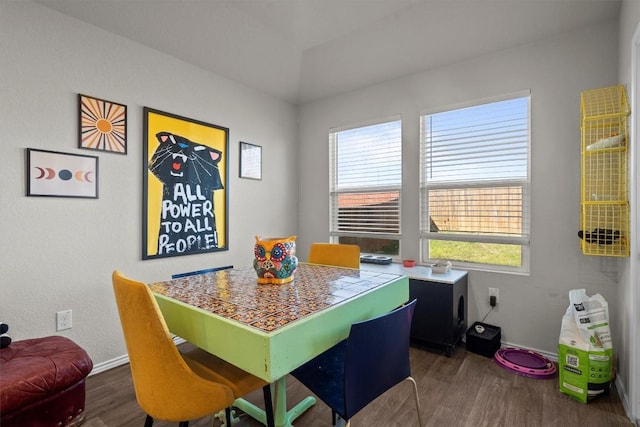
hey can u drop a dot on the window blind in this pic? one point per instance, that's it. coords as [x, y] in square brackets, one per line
[475, 169]
[365, 180]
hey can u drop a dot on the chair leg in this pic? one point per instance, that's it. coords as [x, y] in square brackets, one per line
[148, 422]
[184, 423]
[415, 394]
[227, 416]
[268, 405]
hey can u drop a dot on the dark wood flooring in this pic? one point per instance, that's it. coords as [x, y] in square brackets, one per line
[466, 390]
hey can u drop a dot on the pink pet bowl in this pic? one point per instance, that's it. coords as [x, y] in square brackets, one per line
[525, 362]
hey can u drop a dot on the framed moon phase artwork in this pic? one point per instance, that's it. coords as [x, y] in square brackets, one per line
[56, 174]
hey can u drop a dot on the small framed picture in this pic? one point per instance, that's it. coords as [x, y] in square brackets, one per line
[51, 173]
[102, 125]
[250, 161]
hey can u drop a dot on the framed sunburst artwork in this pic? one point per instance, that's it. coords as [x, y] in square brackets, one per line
[102, 125]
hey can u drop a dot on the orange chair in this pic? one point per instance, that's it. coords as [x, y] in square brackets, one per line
[169, 385]
[337, 254]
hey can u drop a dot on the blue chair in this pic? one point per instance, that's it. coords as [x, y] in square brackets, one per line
[207, 270]
[357, 370]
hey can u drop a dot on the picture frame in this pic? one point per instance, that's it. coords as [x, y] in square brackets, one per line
[102, 125]
[250, 161]
[57, 174]
[185, 186]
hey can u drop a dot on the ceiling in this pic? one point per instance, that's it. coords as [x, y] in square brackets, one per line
[303, 50]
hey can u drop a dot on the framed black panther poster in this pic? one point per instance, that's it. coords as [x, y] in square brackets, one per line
[185, 185]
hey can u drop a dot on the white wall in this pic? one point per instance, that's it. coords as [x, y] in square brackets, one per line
[59, 253]
[556, 71]
[628, 291]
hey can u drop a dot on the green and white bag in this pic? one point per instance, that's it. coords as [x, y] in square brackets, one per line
[585, 352]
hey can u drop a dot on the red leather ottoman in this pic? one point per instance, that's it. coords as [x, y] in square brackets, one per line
[42, 383]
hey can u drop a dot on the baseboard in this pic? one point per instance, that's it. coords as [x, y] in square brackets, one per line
[551, 356]
[624, 398]
[121, 360]
[109, 364]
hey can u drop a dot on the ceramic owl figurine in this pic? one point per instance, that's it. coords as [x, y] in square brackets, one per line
[275, 259]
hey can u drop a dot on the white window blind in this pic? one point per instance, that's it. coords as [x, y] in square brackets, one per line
[365, 180]
[475, 173]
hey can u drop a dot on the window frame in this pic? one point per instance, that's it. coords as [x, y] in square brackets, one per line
[523, 241]
[334, 192]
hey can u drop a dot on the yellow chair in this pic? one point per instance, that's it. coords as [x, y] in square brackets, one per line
[169, 385]
[337, 254]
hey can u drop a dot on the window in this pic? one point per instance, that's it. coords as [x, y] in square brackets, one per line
[365, 184]
[474, 189]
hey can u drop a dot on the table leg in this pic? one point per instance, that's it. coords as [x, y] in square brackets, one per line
[223, 418]
[283, 418]
[340, 422]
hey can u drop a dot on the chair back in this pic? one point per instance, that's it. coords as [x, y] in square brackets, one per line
[336, 254]
[377, 357]
[166, 388]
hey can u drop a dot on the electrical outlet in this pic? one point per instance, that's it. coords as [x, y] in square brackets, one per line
[63, 320]
[494, 292]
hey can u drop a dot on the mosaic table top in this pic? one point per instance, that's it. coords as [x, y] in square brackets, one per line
[236, 294]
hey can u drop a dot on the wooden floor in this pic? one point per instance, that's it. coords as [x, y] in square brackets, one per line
[464, 390]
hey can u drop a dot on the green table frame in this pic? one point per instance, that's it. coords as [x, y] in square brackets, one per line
[272, 355]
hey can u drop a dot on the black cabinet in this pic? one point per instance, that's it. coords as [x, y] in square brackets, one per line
[440, 316]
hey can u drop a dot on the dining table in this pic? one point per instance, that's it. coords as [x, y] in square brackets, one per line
[270, 329]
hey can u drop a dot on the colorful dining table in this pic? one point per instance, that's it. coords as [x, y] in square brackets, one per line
[269, 330]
